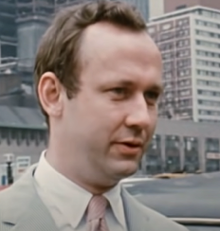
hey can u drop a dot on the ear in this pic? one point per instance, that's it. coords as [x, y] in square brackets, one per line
[50, 94]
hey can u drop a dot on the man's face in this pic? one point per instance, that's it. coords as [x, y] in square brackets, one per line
[113, 117]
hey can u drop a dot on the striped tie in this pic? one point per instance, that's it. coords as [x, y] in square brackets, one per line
[96, 214]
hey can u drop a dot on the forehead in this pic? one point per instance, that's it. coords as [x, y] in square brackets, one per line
[108, 47]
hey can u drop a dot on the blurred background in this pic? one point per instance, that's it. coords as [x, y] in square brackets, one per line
[187, 138]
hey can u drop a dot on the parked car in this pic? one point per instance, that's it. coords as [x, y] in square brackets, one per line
[193, 201]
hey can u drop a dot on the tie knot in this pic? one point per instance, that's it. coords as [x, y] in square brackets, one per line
[96, 208]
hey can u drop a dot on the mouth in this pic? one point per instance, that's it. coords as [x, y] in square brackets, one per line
[130, 148]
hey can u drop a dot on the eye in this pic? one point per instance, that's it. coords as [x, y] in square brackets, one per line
[119, 93]
[151, 96]
[119, 90]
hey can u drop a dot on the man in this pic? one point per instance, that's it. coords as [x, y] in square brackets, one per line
[98, 80]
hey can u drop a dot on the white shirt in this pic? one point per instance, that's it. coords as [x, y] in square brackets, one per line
[67, 202]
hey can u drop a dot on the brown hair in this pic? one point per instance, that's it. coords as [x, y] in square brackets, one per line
[59, 48]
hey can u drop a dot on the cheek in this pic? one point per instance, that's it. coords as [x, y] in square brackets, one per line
[153, 119]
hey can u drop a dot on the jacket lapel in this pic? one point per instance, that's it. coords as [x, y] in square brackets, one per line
[136, 217]
[26, 210]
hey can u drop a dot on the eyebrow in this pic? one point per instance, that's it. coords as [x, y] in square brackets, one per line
[156, 86]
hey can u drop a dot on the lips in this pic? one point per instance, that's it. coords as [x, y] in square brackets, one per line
[132, 147]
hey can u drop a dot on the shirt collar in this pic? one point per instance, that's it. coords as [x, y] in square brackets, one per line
[115, 200]
[64, 192]
[71, 199]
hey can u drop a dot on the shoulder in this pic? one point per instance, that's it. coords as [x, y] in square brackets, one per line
[22, 192]
[154, 219]
[159, 221]
[6, 196]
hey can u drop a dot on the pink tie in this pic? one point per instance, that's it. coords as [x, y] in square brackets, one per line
[96, 214]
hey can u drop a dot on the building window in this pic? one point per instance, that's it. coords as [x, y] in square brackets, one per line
[209, 112]
[182, 53]
[168, 85]
[212, 155]
[208, 73]
[32, 135]
[184, 83]
[168, 66]
[183, 63]
[207, 44]
[166, 47]
[172, 145]
[208, 83]
[183, 72]
[207, 34]
[183, 22]
[166, 26]
[182, 33]
[209, 93]
[166, 36]
[191, 151]
[209, 14]
[23, 134]
[4, 133]
[167, 75]
[201, 62]
[184, 92]
[207, 24]
[153, 156]
[167, 56]
[184, 103]
[209, 103]
[182, 43]
[207, 54]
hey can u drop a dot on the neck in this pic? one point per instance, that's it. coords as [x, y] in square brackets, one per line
[88, 179]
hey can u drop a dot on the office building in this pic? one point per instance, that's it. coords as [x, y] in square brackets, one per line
[183, 145]
[23, 135]
[189, 42]
[8, 41]
[32, 19]
[172, 5]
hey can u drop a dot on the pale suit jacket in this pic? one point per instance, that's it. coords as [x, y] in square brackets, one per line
[21, 209]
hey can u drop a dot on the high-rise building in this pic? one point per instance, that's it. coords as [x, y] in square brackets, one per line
[32, 19]
[172, 5]
[8, 41]
[189, 40]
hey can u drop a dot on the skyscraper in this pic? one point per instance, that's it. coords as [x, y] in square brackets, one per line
[189, 42]
[32, 19]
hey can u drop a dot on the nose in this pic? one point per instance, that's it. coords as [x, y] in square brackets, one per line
[139, 114]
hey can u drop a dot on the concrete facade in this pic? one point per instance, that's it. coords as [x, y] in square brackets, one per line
[29, 33]
[172, 5]
[189, 43]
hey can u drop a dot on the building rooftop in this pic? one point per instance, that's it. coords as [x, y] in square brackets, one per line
[32, 118]
[184, 11]
[21, 117]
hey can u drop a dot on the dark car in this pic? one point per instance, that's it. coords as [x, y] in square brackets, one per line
[193, 201]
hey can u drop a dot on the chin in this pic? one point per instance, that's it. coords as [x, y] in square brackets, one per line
[126, 170]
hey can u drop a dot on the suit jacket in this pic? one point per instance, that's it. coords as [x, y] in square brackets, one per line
[21, 209]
